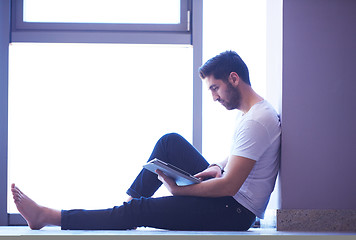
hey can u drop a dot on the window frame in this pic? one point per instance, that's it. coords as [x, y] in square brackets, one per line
[189, 32]
[101, 32]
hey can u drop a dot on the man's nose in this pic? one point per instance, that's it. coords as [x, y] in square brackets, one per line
[216, 97]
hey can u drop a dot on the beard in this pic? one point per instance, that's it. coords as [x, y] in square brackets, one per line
[232, 98]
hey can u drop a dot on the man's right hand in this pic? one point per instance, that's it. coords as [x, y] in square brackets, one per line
[211, 172]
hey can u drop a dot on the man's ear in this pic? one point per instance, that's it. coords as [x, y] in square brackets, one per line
[234, 79]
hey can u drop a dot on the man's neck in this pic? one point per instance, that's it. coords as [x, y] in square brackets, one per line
[249, 98]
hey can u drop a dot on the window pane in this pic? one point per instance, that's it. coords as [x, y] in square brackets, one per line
[103, 11]
[83, 118]
[245, 24]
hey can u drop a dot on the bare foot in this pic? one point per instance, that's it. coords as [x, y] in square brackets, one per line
[36, 216]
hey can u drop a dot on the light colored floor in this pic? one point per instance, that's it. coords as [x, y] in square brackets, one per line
[16, 231]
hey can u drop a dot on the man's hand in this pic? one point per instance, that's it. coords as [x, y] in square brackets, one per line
[237, 170]
[211, 172]
[168, 182]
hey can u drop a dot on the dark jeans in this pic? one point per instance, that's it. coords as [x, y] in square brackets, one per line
[172, 212]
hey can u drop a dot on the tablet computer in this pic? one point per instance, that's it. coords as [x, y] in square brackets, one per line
[181, 177]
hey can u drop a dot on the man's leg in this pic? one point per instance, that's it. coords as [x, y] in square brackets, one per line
[171, 213]
[174, 149]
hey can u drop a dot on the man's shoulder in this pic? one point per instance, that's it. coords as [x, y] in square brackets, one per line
[263, 112]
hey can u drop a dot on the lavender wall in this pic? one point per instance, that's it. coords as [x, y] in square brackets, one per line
[318, 168]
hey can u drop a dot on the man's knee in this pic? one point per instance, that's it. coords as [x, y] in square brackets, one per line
[172, 137]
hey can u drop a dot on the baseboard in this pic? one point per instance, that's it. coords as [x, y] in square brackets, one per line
[319, 220]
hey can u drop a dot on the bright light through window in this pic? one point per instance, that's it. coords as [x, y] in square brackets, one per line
[240, 26]
[83, 118]
[103, 11]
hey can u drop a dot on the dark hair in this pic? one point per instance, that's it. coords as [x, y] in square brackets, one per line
[223, 64]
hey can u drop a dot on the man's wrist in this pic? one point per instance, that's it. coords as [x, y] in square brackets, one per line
[218, 165]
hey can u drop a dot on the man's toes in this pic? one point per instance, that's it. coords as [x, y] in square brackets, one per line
[19, 191]
[16, 194]
[16, 199]
[14, 190]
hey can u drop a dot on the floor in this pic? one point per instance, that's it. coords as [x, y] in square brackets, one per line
[20, 232]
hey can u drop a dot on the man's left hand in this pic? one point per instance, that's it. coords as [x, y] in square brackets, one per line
[168, 182]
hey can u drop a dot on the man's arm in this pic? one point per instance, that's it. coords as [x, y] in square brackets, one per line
[236, 171]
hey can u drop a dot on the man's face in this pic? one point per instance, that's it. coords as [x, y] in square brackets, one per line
[224, 92]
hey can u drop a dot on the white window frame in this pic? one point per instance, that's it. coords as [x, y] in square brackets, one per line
[101, 32]
[189, 31]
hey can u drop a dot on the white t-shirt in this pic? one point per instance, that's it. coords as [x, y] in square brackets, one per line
[257, 137]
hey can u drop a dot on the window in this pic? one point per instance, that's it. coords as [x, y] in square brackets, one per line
[94, 94]
[103, 15]
[83, 118]
[103, 11]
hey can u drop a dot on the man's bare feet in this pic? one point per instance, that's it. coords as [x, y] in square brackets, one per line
[36, 216]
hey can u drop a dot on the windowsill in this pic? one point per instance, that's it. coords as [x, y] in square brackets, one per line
[24, 232]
